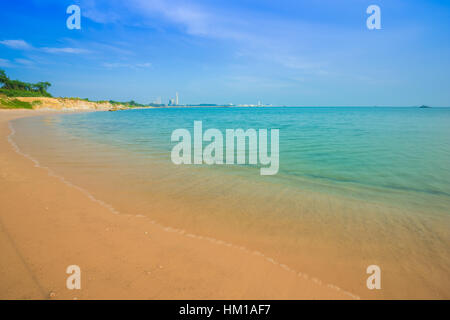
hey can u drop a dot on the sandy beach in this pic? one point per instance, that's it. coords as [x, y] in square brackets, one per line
[47, 224]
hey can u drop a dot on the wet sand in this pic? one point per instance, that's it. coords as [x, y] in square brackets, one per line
[47, 224]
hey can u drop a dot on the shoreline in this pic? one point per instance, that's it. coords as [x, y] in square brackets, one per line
[121, 256]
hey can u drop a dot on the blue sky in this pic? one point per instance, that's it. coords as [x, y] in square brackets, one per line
[308, 53]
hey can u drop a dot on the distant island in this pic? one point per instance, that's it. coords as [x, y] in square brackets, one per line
[424, 107]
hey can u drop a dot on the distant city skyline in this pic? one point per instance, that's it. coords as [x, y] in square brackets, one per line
[295, 53]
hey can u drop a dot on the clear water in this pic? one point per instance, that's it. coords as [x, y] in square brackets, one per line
[399, 155]
[356, 186]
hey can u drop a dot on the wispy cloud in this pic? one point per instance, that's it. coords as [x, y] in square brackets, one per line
[5, 63]
[65, 50]
[189, 17]
[16, 44]
[193, 18]
[263, 37]
[196, 20]
[251, 82]
[23, 45]
[127, 65]
[25, 62]
[17, 62]
[102, 12]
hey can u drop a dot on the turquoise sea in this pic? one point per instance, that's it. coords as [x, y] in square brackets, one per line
[356, 185]
[395, 154]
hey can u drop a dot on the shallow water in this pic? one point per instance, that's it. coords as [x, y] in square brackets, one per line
[356, 186]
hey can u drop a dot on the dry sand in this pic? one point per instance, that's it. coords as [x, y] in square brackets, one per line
[47, 224]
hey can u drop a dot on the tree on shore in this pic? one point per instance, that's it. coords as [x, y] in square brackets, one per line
[41, 86]
[17, 87]
[3, 77]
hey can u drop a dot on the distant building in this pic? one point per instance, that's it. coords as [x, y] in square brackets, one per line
[174, 102]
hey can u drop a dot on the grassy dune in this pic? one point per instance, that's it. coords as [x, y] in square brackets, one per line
[8, 103]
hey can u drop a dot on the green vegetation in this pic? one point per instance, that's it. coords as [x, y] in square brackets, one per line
[134, 104]
[76, 99]
[7, 103]
[16, 88]
[36, 103]
[129, 104]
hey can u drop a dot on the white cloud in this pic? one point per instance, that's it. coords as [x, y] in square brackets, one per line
[144, 65]
[127, 65]
[10, 64]
[91, 11]
[16, 44]
[196, 20]
[258, 36]
[261, 37]
[65, 50]
[5, 63]
[192, 18]
[24, 61]
[23, 45]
